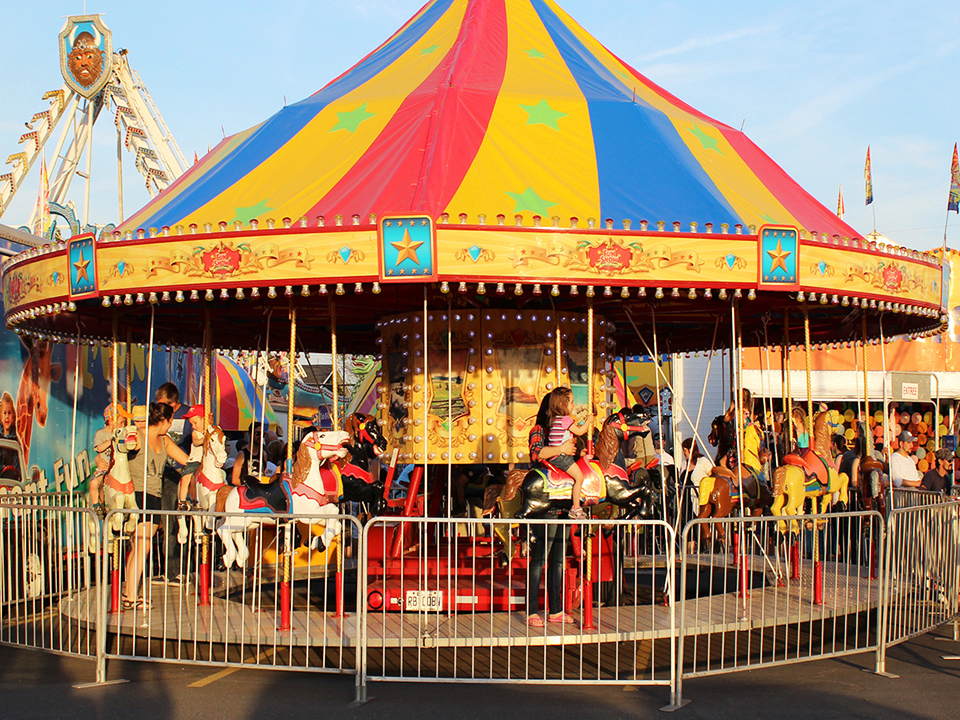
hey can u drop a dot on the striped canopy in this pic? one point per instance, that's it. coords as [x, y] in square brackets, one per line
[237, 398]
[490, 107]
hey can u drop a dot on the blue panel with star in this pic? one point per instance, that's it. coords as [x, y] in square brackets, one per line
[779, 250]
[82, 266]
[408, 248]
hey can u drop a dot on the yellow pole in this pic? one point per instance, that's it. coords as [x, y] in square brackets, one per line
[806, 348]
[333, 363]
[291, 362]
[788, 405]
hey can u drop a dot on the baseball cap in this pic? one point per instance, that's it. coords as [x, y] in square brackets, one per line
[906, 436]
[943, 454]
[194, 411]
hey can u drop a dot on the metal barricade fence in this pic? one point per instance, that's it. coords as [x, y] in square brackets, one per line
[922, 571]
[59, 498]
[45, 566]
[451, 600]
[285, 603]
[913, 497]
[767, 591]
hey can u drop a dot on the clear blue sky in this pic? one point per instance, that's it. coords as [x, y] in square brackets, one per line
[813, 83]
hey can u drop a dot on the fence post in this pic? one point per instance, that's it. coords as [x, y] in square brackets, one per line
[677, 626]
[883, 611]
[360, 693]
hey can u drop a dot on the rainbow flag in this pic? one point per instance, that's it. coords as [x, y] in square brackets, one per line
[868, 178]
[953, 202]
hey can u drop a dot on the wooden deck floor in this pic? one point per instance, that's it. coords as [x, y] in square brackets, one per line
[174, 616]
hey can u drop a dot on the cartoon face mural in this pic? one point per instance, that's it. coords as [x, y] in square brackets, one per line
[86, 54]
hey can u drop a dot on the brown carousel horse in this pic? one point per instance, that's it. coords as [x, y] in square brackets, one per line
[810, 473]
[869, 474]
[726, 486]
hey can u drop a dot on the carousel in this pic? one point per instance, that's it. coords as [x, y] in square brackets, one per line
[496, 206]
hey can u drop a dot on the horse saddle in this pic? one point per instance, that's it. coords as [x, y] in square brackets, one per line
[814, 467]
[560, 485]
[257, 497]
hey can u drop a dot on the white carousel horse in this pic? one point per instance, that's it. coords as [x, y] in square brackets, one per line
[311, 492]
[210, 478]
[118, 493]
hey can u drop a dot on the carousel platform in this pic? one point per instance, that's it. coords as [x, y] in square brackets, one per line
[175, 616]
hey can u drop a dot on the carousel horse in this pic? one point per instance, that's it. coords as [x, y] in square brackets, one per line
[726, 488]
[311, 492]
[604, 475]
[870, 483]
[364, 448]
[810, 473]
[118, 492]
[210, 478]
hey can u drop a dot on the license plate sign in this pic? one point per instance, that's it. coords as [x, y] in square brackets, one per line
[423, 601]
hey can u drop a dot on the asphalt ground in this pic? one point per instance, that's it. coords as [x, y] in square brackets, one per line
[35, 684]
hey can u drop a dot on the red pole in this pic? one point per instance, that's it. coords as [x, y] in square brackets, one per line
[115, 579]
[818, 583]
[414, 488]
[795, 561]
[205, 572]
[588, 582]
[339, 581]
[285, 588]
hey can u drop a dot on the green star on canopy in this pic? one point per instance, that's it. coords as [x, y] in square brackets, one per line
[246, 214]
[534, 53]
[543, 114]
[430, 50]
[708, 143]
[530, 201]
[351, 120]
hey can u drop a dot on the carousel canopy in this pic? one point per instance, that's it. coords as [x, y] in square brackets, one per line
[491, 107]
[490, 155]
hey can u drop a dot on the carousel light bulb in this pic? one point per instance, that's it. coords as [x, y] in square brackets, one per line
[608, 291]
[751, 294]
[501, 290]
[462, 288]
[722, 294]
[322, 290]
[536, 289]
[288, 291]
[106, 302]
[624, 292]
[873, 304]
[239, 294]
[224, 295]
[481, 288]
[305, 291]
[658, 294]
[863, 303]
[179, 296]
[800, 296]
[845, 301]
[675, 293]
[271, 292]
[444, 288]
[574, 291]
[554, 290]
[642, 292]
[823, 298]
[737, 294]
[376, 288]
[834, 299]
[518, 289]
[590, 291]
[358, 288]
[153, 298]
[254, 292]
[128, 299]
[340, 290]
[692, 294]
[209, 295]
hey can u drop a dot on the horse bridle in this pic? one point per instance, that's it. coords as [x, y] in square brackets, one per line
[626, 427]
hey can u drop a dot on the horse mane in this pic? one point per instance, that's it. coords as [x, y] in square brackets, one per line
[514, 481]
[607, 446]
[301, 466]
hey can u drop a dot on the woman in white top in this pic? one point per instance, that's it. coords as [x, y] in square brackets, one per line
[696, 467]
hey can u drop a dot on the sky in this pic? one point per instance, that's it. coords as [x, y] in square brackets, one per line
[812, 83]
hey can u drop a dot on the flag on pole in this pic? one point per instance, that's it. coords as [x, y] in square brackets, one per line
[953, 202]
[868, 178]
[41, 212]
[840, 203]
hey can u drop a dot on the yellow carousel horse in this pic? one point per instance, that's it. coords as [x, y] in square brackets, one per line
[810, 473]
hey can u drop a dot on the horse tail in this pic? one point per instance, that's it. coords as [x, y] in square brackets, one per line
[514, 481]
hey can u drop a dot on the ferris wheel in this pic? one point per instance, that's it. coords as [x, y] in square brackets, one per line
[98, 83]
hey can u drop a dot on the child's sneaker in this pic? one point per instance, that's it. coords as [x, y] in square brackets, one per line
[577, 513]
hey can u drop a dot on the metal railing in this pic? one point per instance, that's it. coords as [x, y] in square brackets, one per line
[922, 572]
[766, 591]
[461, 600]
[284, 605]
[44, 567]
[914, 497]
